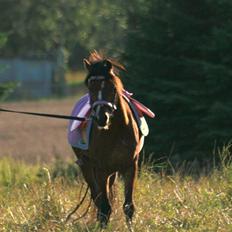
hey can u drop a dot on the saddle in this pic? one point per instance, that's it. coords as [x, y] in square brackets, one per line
[79, 132]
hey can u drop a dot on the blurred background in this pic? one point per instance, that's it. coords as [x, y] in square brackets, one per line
[178, 56]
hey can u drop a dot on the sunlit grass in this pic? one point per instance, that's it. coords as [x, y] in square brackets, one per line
[33, 198]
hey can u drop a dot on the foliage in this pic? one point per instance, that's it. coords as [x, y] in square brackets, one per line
[6, 88]
[179, 62]
[3, 39]
[163, 203]
[38, 27]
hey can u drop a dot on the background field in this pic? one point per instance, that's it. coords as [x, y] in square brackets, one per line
[36, 139]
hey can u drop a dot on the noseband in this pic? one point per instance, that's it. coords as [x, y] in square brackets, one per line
[100, 102]
[111, 105]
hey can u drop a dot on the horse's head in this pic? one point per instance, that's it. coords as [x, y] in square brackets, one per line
[102, 91]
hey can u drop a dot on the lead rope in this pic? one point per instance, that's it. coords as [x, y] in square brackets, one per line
[67, 117]
[78, 206]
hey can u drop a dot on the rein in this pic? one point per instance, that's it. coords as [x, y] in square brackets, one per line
[67, 117]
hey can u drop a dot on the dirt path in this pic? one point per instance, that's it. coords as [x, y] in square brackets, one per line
[35, 139]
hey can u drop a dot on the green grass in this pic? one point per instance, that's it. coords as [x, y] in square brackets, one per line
[34, 198]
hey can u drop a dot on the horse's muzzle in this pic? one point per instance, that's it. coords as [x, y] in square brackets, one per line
[103, 121]
[102, 112]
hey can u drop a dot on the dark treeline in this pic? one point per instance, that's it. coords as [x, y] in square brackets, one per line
[177, 53]
[179, 56]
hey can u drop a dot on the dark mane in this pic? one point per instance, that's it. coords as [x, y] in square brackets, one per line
[119, 87]
[96, 57]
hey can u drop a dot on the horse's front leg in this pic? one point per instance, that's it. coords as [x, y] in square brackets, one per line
[99, 188]
[129, 178]
[102, 200]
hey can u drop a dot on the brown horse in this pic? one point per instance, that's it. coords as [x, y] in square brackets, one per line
[115, 138]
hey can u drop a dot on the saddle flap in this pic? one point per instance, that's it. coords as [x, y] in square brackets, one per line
[143, 126]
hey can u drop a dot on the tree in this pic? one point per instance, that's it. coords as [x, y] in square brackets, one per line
[36, 27]
[6, 88]
[179, 61]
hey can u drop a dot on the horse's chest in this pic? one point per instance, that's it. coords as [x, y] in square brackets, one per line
[113, 153]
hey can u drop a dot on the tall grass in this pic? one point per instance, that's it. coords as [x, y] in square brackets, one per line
[34, 198]
[14, 173]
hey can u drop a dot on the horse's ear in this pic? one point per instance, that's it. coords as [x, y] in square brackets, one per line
[108, 64]
[86, 64]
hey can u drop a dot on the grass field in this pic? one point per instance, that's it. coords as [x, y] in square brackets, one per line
[40, 184]
[37, 198]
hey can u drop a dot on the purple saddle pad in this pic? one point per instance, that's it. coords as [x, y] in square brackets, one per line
[79, 132]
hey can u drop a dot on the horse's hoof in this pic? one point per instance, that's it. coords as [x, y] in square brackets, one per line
[129, 225]
[103, 220]
[129, 210]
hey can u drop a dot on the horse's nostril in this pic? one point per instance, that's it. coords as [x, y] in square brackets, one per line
[103, 120]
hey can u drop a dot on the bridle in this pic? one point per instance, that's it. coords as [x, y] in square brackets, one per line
[101, 102]
[104, 103]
